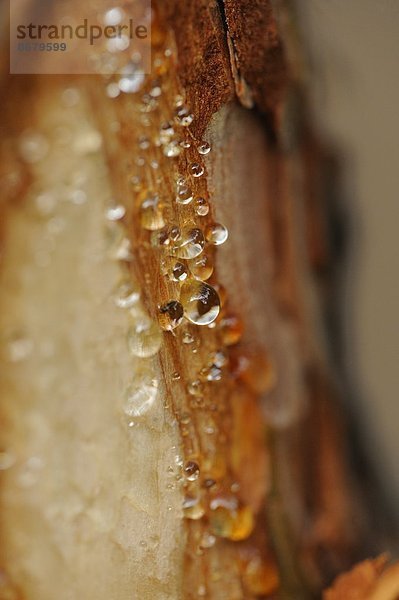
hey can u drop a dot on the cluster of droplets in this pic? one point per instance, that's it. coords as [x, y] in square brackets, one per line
[173, 222]
[144, 336]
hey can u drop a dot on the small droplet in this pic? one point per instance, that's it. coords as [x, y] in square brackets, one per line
[156, 91]
[144, 143]
[191, 470]
[160, 238]
[70, 97]
[152, 214]
[235, 524]
[113, 16]
[126, 296]
[190, 244]
[33, 147]
[19, 348]
[218, 358]
[200, 302]
[201, 266]
[201, 207]
[204, 148]
[113, 90]
[185, 144]
[196, 170]
[188, 338]
[184, 194]
[216, 234]
[175, 376]
[131, 82]
[166, 132]
[183, 116]
[123, 250]
[140, 395]
[231, 328]
[144, 338]
[201, 591]
[193, 508]
[174, 233]
[179, 272]
[195, 388]
[7, 460]
[115, 212]
[172, 149]
[211, 373]
[171, 315]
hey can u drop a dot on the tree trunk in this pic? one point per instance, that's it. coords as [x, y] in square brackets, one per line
[147, 454]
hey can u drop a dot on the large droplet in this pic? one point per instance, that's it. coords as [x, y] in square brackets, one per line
[140, 395]
[200, 302]
[190, 244]
[144, 337]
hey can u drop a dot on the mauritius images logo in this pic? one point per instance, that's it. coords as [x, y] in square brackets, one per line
[69, 36]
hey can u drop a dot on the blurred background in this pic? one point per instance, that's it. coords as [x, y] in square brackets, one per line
[353, 51]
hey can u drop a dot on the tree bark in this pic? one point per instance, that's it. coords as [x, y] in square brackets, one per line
[211, 460]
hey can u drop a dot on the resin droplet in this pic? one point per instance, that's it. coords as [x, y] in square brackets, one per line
[184, 194]
[196, 170]
[171, 315]
[200, 302]
[204, 148]
[201, 207]
[216, 234]
[144, 338]
[140, 395]
[201, 266]
[151, 214]
[190, 244]
[191, 471]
